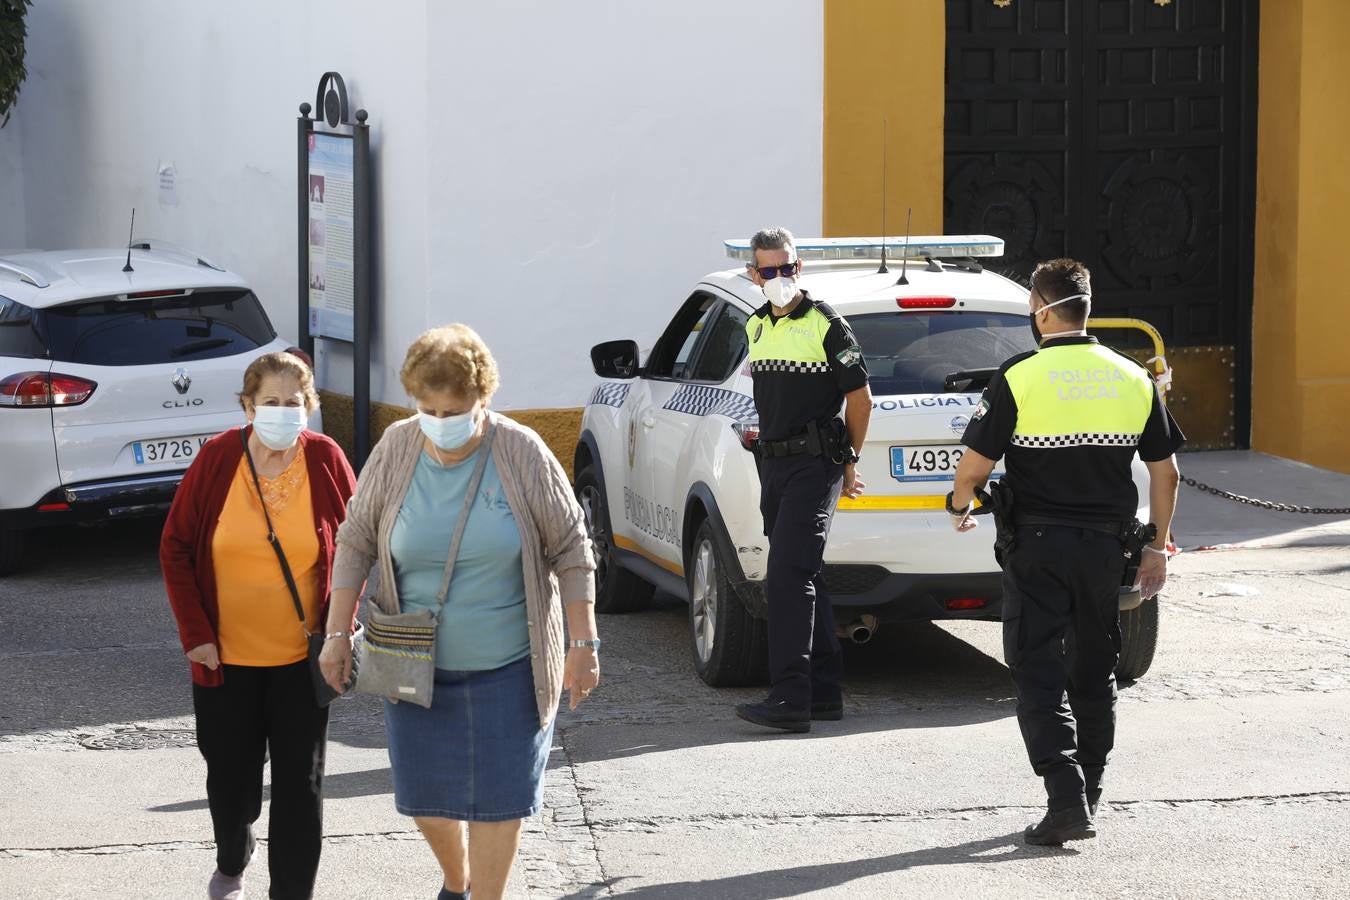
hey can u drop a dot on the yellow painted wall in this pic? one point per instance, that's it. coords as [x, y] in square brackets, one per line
[884, 59]
[1301, 312]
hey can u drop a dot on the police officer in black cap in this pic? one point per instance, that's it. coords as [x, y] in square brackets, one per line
[1068, 419]
[806, 364]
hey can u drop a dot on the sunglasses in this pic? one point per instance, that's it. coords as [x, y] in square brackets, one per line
[787, 270]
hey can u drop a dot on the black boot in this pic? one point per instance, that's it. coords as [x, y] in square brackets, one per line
[1060, 825]
[1094, 796]
[776, 714]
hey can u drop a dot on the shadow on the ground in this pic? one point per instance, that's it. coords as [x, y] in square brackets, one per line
[774, 884]
[342, 786]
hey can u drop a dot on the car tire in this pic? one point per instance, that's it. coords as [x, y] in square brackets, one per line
[730, 647]
[617, 590]
[11, 550]
[1138, 640]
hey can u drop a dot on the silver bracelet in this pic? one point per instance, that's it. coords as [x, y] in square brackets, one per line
[1162, 553]
[336, 634]
[592, 644]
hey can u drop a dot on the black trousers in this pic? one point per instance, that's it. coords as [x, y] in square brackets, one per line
[1061, 639]
[798, 495]
[261, 711]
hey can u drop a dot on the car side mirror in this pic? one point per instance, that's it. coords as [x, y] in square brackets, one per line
[615, 359]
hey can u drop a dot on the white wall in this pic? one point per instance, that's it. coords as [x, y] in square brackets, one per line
[13, 227]
[553, 174]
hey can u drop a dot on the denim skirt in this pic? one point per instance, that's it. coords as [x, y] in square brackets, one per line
[478, 754]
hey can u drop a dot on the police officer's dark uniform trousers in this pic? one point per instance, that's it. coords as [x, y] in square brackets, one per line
[1068, 419]
[802, 364]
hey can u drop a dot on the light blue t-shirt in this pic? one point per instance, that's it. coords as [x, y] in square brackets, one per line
[483, 624]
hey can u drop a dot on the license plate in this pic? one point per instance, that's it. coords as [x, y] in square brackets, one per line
[168, 450]
[931, 463]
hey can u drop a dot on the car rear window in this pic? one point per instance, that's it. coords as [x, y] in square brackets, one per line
[18, 332]
[914, 352]
[201, 325]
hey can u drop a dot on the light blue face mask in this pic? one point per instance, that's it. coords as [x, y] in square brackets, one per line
[451, 432]
[278, 427]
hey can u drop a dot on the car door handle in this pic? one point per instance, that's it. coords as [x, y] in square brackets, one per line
[648, 420]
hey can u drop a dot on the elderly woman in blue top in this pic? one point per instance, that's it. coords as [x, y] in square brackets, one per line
[477, 756]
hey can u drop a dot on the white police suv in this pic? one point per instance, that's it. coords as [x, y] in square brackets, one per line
[114, 369]
[666, 477]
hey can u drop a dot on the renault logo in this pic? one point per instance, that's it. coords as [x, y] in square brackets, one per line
[181, 381]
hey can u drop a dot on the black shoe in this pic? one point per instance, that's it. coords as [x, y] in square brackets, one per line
[1058, 826]
[779, 714]
[1093, 798]
[827, 711]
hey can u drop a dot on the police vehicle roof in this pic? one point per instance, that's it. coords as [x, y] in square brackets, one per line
[44, 278]
[857, 287]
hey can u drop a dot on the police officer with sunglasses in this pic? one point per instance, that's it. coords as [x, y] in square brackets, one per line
[806, 364]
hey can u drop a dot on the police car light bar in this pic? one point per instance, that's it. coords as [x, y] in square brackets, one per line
[951, 246]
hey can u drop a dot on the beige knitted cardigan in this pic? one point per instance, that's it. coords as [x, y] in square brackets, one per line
[555, 550]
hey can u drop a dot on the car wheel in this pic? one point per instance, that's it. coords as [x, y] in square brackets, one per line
[617, 590]
[730, 646]
[11, 550]
[1138, 640]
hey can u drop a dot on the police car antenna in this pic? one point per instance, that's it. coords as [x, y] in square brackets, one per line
[130, 235]
[882, 270]
[904, 257]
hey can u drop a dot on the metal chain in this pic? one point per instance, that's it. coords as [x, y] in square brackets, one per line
[1268, 504]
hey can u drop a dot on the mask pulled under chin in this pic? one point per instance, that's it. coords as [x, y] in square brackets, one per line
[780, 290]
[278, 427]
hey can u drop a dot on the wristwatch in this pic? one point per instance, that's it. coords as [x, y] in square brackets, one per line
[592, 644]
[957, 512]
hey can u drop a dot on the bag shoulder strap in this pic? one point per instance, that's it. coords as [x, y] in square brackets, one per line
[272, 537]
[470, 495]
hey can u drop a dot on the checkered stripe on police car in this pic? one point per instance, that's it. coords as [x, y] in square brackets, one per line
[1082, 439]
[789, 365]
[697, 400]
[608, 394]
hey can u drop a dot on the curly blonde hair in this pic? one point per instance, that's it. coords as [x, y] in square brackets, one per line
[281, 363]
[451, 358]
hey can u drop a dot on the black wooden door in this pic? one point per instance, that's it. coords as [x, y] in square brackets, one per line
[1118, 132]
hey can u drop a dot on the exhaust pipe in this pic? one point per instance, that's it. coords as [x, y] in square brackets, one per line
[861, 631]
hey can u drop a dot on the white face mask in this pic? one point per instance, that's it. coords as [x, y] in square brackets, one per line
[780, 290]
[278, 427]
[450, 432]
[1036, 329]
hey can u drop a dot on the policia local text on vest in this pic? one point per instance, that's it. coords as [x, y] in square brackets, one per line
[1067, 420]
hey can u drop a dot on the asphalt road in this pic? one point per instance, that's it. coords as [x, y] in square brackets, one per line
[1230, 777]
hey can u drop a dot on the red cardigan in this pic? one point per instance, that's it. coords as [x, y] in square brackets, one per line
[185, 546]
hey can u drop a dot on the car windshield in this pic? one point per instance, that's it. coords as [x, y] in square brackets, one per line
[915, 352]
[202, 325]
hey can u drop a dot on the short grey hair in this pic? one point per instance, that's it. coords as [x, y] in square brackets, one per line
[773, 239]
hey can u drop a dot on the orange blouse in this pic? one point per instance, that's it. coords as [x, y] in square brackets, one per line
[258, 624]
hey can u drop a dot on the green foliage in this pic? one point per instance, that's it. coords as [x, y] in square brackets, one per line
[12, 71]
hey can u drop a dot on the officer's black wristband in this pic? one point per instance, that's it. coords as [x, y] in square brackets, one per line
[958, 512]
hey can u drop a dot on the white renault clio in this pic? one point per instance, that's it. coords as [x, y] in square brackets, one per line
[114, 369]
[665, 473]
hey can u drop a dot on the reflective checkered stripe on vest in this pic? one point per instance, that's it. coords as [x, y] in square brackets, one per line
[1079, 395]
[795, 346]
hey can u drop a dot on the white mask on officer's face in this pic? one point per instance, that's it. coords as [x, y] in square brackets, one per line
[780, 290]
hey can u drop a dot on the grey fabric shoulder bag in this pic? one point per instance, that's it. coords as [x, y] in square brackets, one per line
[396, 655]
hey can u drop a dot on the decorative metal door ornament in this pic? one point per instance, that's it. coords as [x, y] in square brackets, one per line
[1003, 4]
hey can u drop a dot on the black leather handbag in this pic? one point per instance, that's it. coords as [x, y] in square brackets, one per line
[314, 640]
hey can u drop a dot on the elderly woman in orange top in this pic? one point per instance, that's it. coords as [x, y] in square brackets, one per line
[251, 690]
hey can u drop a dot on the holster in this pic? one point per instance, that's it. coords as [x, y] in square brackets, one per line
[1135, 536]
[1005, 522]
[828, 441]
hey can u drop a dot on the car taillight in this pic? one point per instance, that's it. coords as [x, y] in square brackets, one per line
[925, 302]
[967, 603]
[746, 433]
[42, 389]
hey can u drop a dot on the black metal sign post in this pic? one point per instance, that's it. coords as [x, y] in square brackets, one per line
[333, 220]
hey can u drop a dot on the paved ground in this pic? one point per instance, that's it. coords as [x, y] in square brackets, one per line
[1231, 776]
